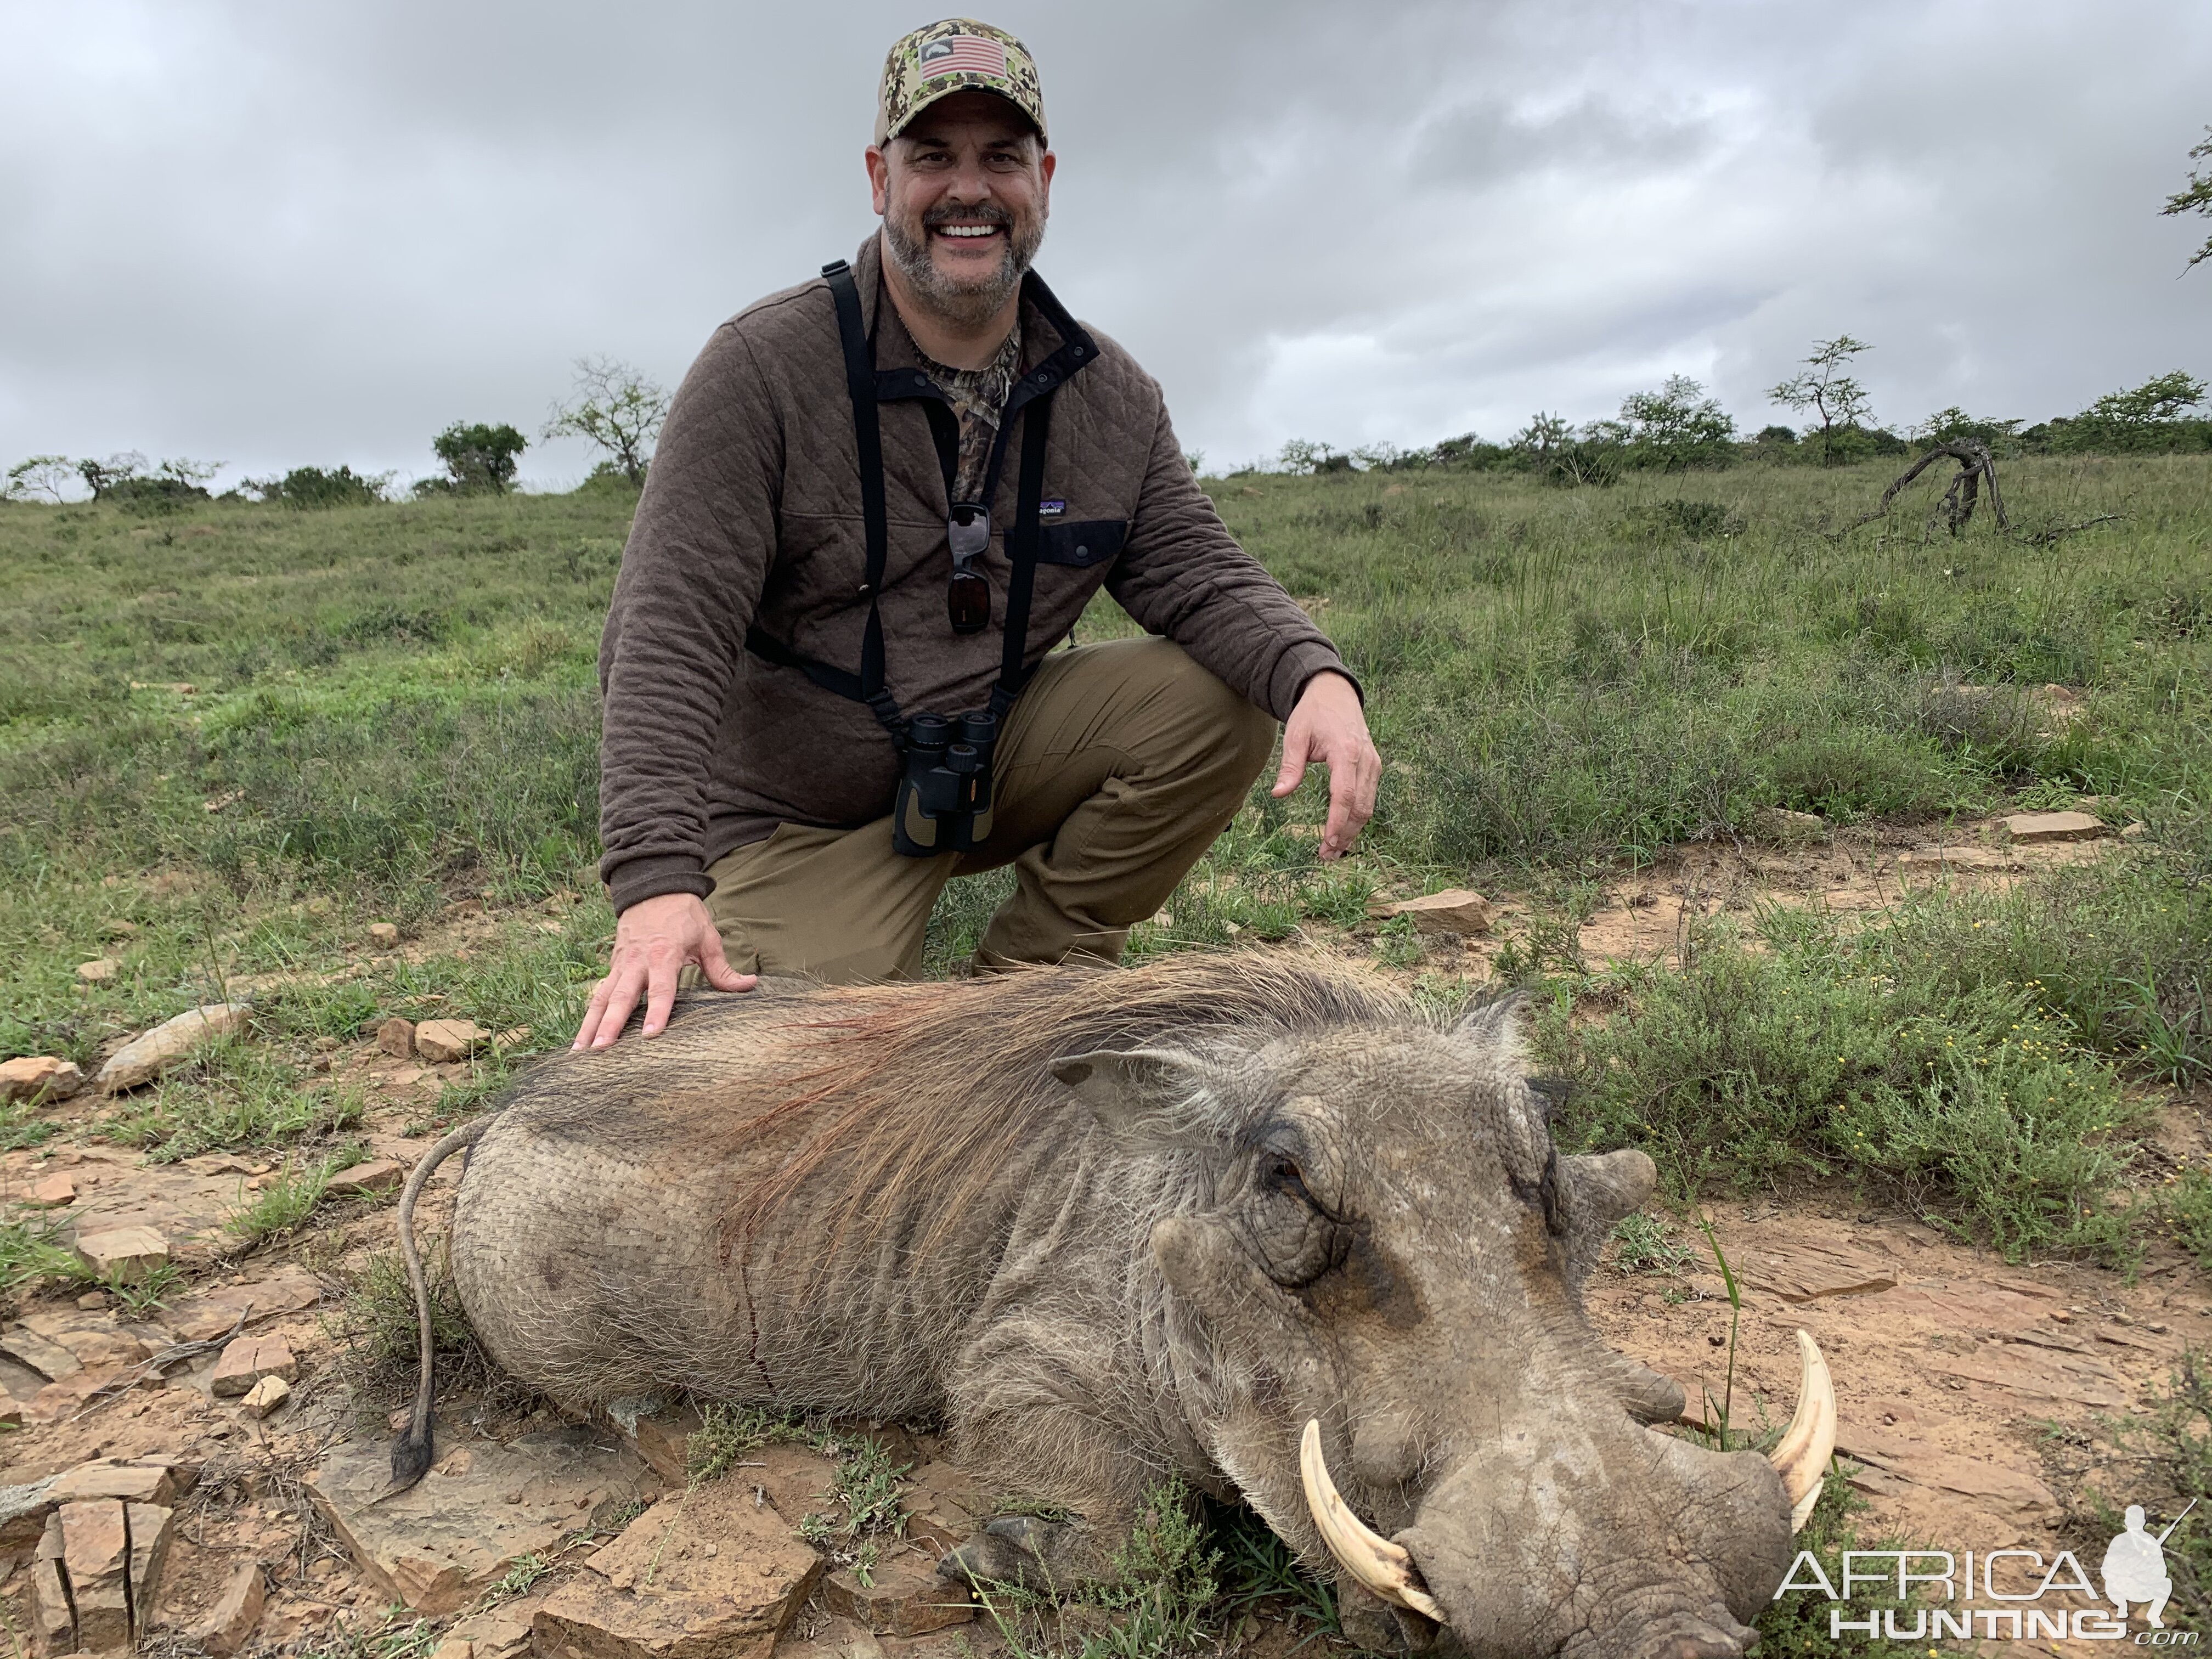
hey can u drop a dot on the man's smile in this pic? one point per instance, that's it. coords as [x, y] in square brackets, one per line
[967, 233]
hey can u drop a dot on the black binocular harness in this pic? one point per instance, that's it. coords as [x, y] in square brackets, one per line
[944, 798]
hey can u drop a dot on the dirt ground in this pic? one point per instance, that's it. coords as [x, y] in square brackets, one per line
[1953, 1369]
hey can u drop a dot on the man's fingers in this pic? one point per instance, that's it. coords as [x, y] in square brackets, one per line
[660, 995]
[628, 981]
[1296, 743]
[591, 1013]
[1342, 830]
[716, 967]
[1365, 784]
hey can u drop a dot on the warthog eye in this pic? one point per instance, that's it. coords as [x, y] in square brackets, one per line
[1292, 1231]
[1280, 1174]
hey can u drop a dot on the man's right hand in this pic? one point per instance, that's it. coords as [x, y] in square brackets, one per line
[654, 940]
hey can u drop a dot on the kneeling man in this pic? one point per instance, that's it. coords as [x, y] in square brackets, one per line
[881, 499]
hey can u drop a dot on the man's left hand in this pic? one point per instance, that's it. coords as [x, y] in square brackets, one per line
[1329, 726]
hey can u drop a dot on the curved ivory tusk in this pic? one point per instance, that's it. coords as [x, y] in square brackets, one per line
[1801, 1460]
[1375, 1561]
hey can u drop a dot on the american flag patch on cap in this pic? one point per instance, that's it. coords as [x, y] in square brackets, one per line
[955, 54]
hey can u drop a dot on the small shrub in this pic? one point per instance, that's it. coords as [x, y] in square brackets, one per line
[290, 1199]
[1643, 1244]
[726, 1433]
[377, 1320]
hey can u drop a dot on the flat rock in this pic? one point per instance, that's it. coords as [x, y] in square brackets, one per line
[247, 1359]
[2034, 1374]
[703, 1575]
[103, 1346]
[123, 1256]
[96, 1557]
[663, 1439]
[43, 1355]
[152, 1528]
[56, 1190]
[213, 1312]
[2028, 829]
[1804, 1272]
[906, 1597]
[2015, 1492]
[266, 1396]
[39, 1078]
[61, 1400]
[123, 1481]
[395, 1036]
[230, 1626]
[378, 1176]
[792, 1480]
[442, 1040]
[1965, 1304]
[145, 1058]
[98, 970]
[1456, 910]
[441, 1543]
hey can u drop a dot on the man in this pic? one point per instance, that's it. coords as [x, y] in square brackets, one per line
[886, 494]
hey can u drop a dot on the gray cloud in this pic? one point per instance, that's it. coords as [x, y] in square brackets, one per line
[271, 233]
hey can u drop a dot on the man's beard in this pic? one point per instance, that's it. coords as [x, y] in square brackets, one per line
[962, 304]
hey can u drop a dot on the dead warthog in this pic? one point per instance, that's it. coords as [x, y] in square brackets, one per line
[1241, 1218]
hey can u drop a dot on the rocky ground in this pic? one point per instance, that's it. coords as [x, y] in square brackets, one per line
[197, 1456]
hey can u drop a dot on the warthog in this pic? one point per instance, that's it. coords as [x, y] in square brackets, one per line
[1241, 1218]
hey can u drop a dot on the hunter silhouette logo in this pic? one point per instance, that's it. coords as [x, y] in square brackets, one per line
[2134, 1566]
[2001, 1595]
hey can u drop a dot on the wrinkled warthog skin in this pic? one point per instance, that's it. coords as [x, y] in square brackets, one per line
[1107, 1226]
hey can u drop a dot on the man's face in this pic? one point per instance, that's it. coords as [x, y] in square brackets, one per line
[964, 193]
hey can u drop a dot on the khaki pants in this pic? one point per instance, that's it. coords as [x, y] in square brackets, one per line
[1117, 769]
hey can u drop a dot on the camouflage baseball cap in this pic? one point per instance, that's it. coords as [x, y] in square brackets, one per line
[958, 55]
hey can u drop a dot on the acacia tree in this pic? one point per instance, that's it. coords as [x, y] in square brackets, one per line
[614, 407]
[2197, 198]
[1823, 385]
[100, 476]
[38, 478]
[1674, 428]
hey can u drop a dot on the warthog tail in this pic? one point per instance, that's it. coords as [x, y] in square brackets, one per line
[411, 1453]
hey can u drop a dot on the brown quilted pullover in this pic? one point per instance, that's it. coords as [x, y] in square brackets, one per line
[751, 518]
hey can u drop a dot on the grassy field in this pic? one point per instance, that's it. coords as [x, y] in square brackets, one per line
[392, 715]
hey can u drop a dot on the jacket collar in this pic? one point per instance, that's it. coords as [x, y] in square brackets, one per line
[1055, 346]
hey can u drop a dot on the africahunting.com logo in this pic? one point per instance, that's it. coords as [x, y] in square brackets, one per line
[2013, 1582]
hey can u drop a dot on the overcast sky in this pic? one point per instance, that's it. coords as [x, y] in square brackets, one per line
[278, 232]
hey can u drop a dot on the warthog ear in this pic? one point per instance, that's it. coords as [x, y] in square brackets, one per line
[1494, 1023]
[1148, 1093]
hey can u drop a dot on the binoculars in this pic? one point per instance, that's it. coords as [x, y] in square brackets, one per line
[944, 802]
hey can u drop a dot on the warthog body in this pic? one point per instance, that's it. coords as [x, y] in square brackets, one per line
[1105, 1226]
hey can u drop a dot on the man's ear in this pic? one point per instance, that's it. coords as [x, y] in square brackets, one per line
[1149, 1094]
[879, 174]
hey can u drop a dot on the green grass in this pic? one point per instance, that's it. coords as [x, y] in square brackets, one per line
[280, 1207]
[394, 715]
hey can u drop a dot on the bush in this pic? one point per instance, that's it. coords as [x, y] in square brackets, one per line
[155, 494]
[1818, 1054]
[479, 459]
[307, 488]
[1676, 428]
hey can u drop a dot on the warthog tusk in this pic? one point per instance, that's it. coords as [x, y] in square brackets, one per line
[1801, 1459]
[1375, 1561]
